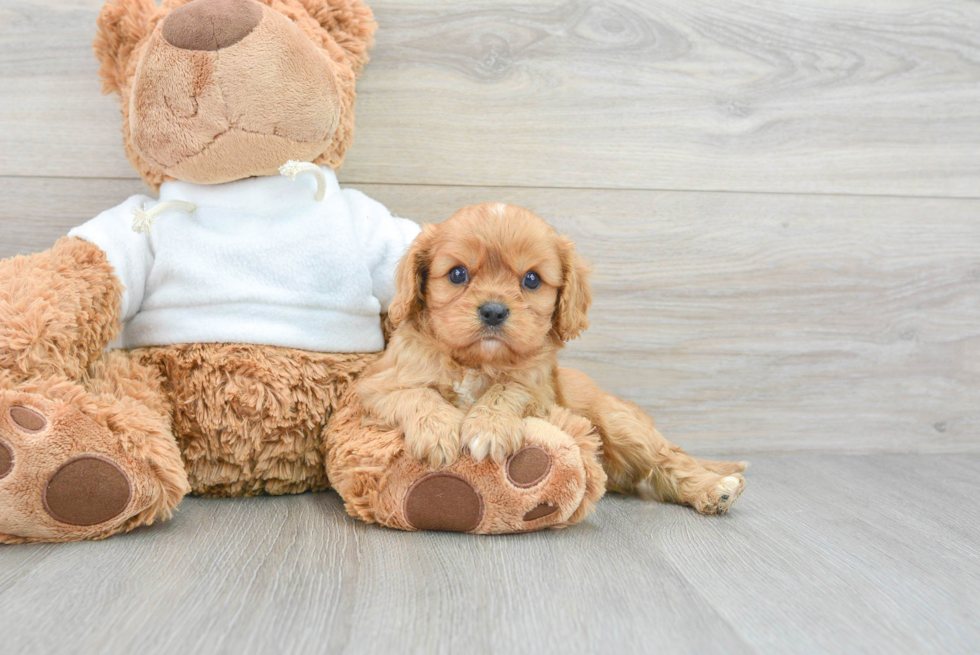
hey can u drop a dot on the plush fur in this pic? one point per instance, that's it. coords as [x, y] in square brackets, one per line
[249, 419]
[58, 310]
[451, 383]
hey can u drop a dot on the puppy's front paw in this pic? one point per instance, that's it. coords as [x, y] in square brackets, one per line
[495, 434]
[435, 438]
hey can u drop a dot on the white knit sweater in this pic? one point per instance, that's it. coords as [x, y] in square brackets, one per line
[258, 261]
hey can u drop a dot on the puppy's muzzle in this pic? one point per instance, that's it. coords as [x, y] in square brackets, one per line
[493, 313]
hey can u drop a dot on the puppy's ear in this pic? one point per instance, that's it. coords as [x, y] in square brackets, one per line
[121, 25]
[575, 295]
[410, 279]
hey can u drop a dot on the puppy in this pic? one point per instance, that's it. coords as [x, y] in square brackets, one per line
[485, 302]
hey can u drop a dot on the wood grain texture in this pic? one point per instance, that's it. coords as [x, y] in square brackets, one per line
[741, 321]
[777, 95]
[822, 554]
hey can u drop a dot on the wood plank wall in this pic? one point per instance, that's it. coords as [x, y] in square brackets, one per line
[781, 199]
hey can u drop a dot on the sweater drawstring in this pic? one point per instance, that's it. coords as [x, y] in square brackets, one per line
[292, 168]
[143, 218]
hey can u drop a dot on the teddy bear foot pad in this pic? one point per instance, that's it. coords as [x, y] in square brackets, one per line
[446, 501]
[62, 476]
[540, 486]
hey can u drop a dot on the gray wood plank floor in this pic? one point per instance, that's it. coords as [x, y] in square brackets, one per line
[825, 553]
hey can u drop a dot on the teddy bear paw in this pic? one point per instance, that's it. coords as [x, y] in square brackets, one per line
[540, 486]
[450, 501]
[57, 480]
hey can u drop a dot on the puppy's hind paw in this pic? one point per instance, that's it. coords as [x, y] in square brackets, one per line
[718, 498]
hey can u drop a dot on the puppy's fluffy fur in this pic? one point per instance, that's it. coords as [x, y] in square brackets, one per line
[452, 382]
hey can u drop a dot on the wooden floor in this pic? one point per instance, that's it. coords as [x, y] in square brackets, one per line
[781, 200]
[824, 553]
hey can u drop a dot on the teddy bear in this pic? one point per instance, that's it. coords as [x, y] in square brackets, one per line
[247, 296]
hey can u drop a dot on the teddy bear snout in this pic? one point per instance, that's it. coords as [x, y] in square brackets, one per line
[200, 98]
[211, 24]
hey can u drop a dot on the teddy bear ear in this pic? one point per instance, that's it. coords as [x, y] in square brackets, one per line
[348, 27]
[121, 25]
[351, 25]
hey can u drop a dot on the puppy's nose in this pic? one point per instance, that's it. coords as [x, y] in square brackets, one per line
[494, 313]
[211, 24]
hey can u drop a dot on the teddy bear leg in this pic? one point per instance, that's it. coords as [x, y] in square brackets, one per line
[88, 459]
[554, 481]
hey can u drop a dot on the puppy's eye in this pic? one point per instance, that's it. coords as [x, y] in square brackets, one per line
[459, 275]
[531, 281]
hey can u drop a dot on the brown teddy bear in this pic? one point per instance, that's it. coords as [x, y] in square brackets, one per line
[248, 296]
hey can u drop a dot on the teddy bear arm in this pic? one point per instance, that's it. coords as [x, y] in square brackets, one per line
[59, 309]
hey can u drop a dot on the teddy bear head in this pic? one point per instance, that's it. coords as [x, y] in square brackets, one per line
[219, 90]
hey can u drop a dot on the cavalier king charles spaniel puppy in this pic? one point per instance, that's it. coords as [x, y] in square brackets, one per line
[485, 302]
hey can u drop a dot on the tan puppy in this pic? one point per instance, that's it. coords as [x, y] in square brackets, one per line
[485, 302]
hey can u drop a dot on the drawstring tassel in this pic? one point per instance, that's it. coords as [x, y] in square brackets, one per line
[143, 218]
[293, 168]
